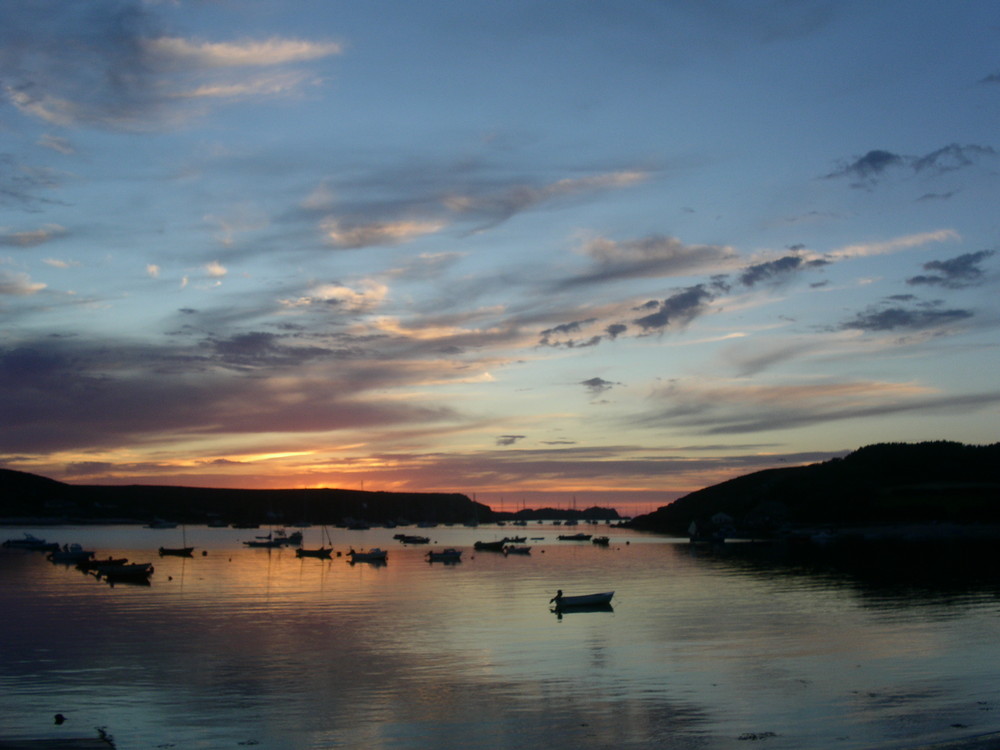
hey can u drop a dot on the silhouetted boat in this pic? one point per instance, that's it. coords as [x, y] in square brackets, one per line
[446, 555]
[322, 551]
[373, 555]
[72, 554]
[491, 546]
[585, 600]
[601, 540]
[176, 551]
[581, 537]
[319, 552]
[182, 551]
[412, 539]
[512, 550]
[32, 543]
[125, 571]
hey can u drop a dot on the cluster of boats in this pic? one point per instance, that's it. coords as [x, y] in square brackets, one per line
[112, 569]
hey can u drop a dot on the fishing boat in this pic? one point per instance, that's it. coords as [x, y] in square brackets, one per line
[446, 555]
[375, 555]
[585, 600]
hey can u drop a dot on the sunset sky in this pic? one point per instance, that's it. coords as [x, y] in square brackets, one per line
[528, 251]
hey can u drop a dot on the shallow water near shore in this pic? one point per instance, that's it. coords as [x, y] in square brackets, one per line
[737, 646]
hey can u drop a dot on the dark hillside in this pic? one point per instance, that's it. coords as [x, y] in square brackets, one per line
[884, 483]
[24, 495]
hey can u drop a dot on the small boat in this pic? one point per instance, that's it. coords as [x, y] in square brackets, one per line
[72, 554]
[176, 551]
[125, 571]
[182, 551]
[445, 555]
[512, 550]
[88, 566]
[517, 539]
[586, 600]
[322, 551]
[603, 541]
[32, 543]
[412, 539]
[491, 546]
[581, 537]
[373, 555]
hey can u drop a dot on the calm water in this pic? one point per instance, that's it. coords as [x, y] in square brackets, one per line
[732, 648]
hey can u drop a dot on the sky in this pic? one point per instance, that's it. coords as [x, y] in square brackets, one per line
[540, 253]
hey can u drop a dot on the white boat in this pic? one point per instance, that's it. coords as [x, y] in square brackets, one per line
[585, 600]
[373, 555]
[446, 555]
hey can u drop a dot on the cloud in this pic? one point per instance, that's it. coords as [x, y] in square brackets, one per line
[509, 439]
[723, 409]
[677, 310]
[491, 206]
[597, 386]
[377, 233]
[178, 52]
[869, 169]
[779, 270]
[32, 238]
[648, 257]
[215, 269]
[109, 65]
[954, 273]
[893, 318]
[18, 284]
[896, 244]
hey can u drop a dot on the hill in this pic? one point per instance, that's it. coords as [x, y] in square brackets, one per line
[877, 484]
[29, 496]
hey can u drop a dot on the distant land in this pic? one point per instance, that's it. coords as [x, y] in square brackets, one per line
[26, 497]
[889, 483]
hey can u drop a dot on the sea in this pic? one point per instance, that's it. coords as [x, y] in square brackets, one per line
[737, 645]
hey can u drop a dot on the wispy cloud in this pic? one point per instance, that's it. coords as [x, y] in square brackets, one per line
[869, 169]
[110, 66]
[954, 273]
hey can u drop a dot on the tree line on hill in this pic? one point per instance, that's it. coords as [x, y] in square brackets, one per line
[885, 483]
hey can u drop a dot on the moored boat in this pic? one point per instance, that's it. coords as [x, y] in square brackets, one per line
[373, 555]
[445, 555]
[72, 554]
[516, 550]
[32, 543]
[602, 541]
[176, 551]
[585, 600]
[581, 537]
[324, 552]
[125, 571]
[491, 546]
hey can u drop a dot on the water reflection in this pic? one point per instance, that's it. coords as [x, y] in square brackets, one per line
[259, 645]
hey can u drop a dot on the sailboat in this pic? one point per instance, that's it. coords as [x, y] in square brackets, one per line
[323, 551]
[184, 551]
